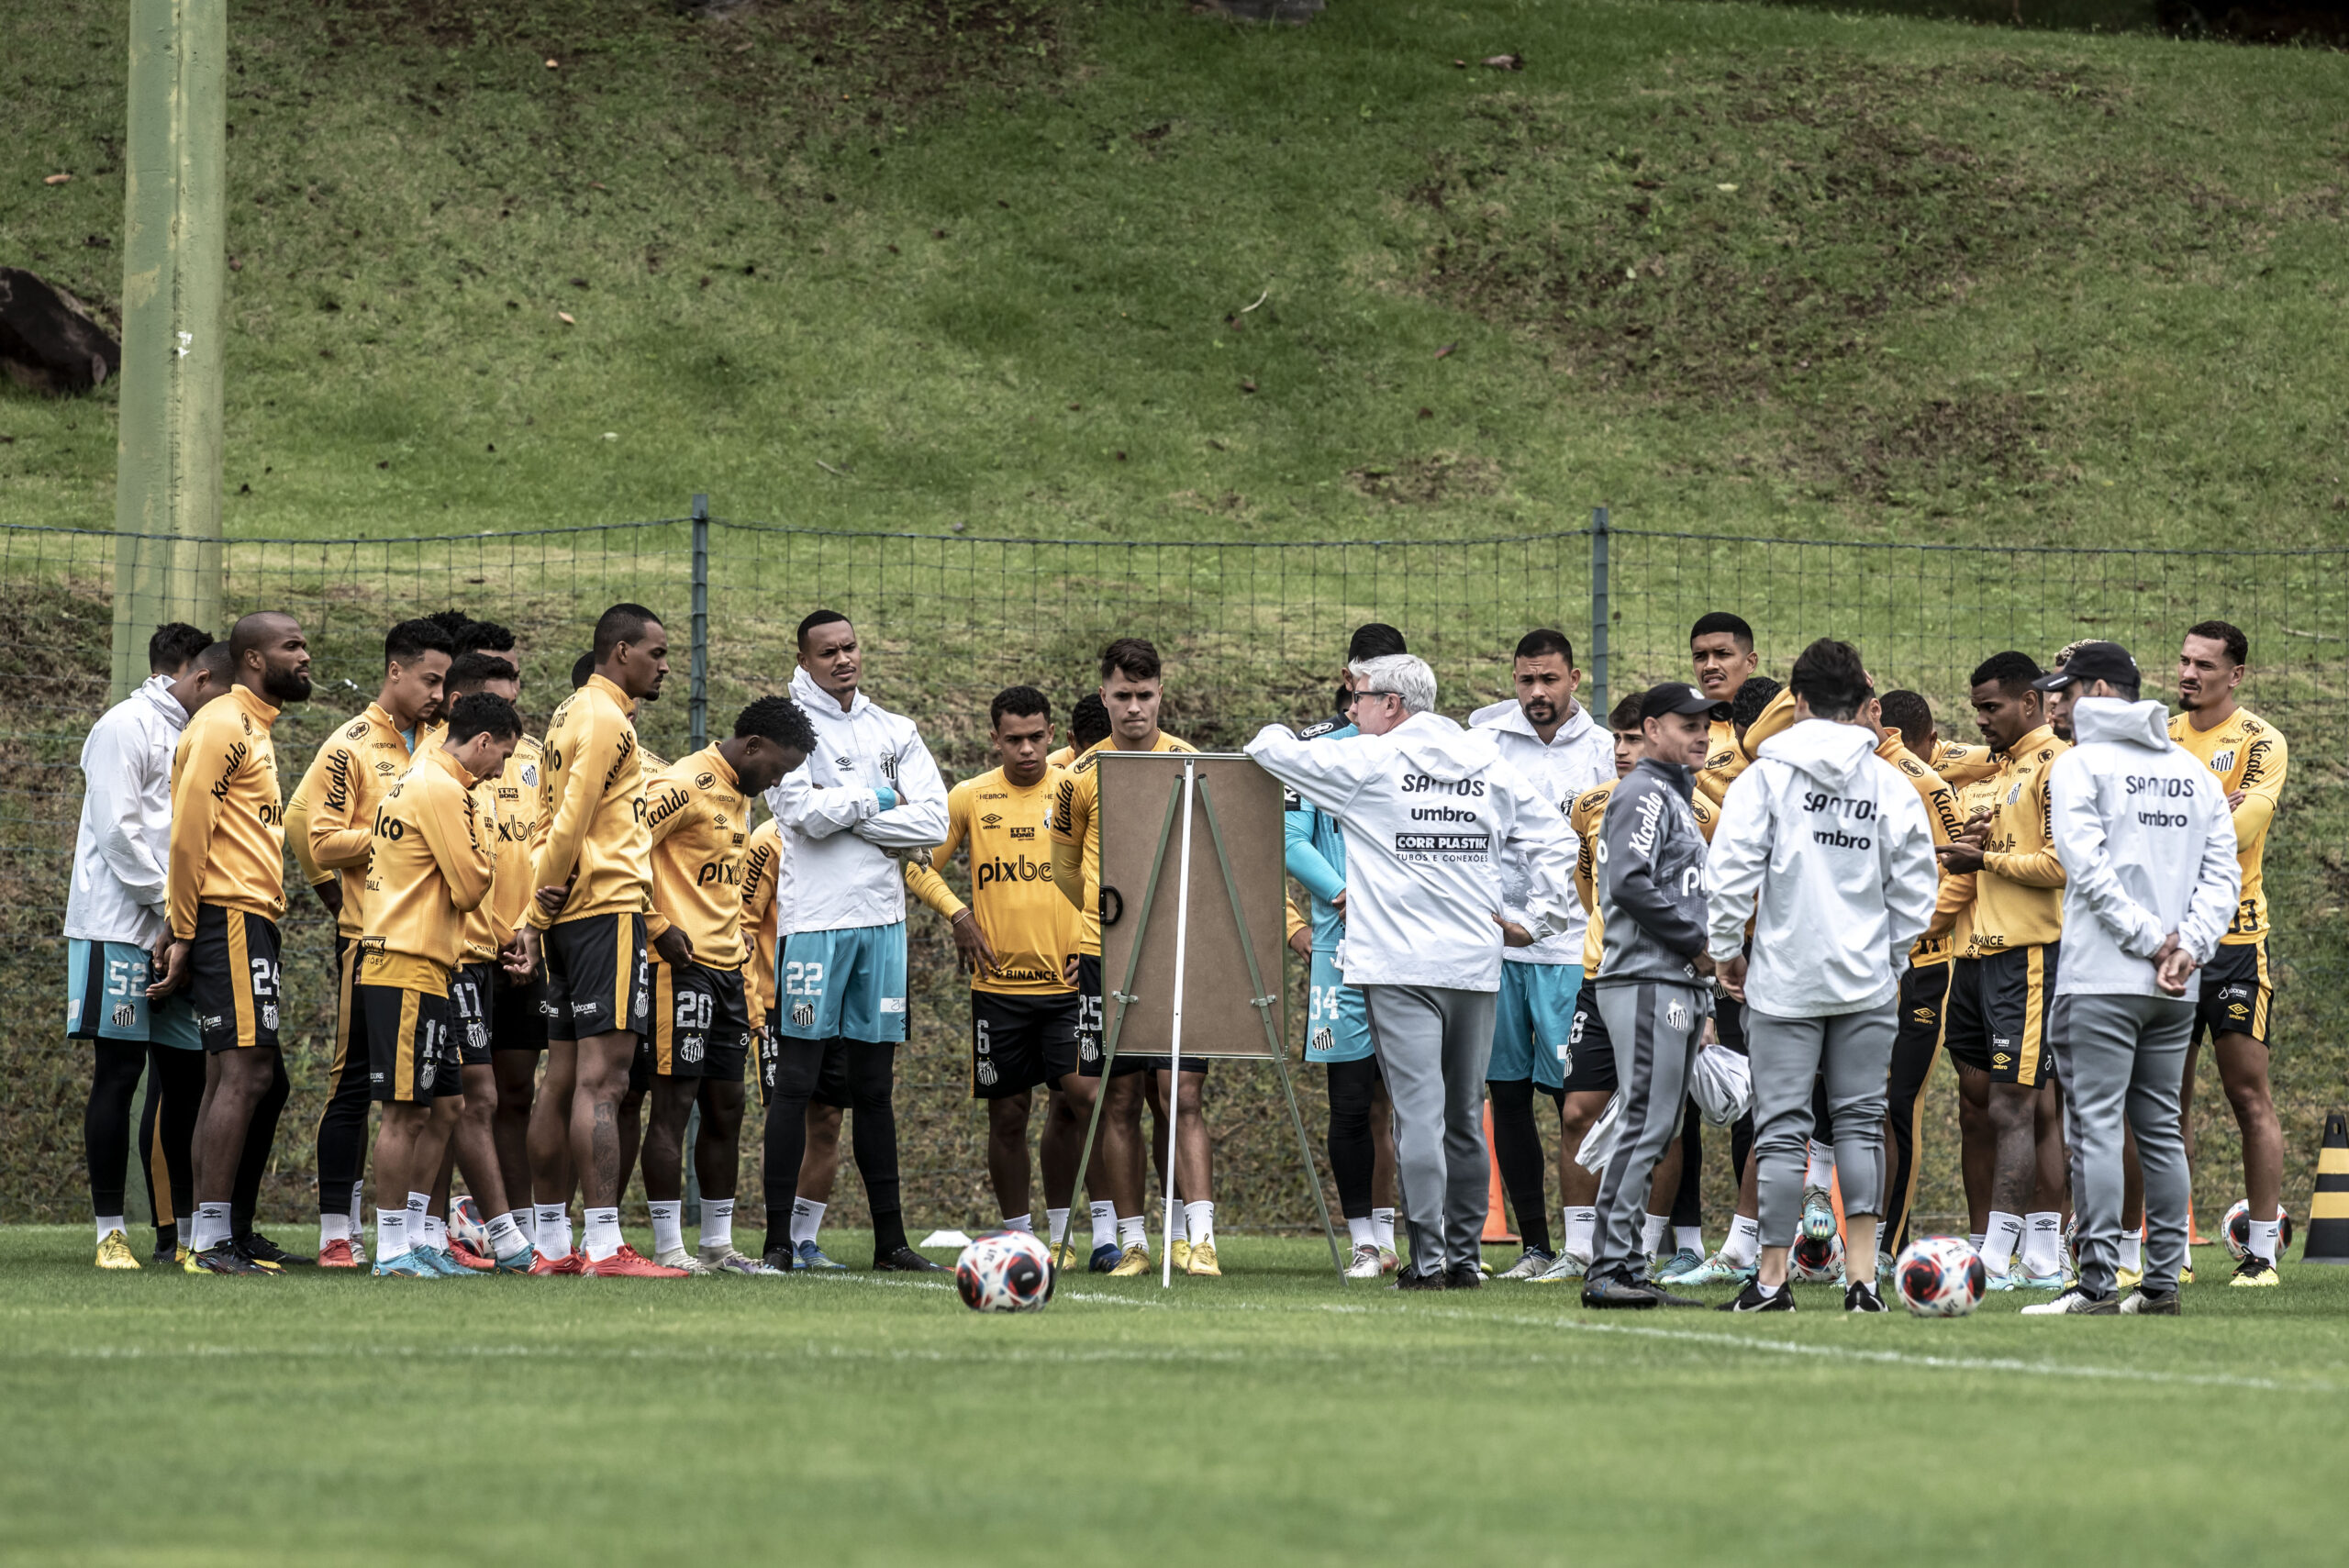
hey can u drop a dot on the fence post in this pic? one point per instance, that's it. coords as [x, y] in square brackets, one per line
[698, 703]
[1598, 613]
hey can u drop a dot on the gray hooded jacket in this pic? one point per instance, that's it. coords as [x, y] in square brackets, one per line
[1651, 878]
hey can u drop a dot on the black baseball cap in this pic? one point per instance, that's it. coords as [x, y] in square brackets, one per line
[1679, 696]
[2091, 663]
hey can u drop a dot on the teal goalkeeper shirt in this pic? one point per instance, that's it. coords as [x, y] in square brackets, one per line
[1314, 849]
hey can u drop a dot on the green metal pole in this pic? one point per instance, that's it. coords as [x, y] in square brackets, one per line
[168, 452]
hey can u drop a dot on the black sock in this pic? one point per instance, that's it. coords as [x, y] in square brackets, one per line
[1687, 1199]
[1517, 1149]
[260, 1141]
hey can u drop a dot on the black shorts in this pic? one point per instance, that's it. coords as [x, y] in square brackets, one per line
[470, 989]
[598, 981]
[831, 1071]
[1729, 1022]
[232, 978]
[1924, 992]
[2237, 989]
[1088, 1032]
[517, 1022]
[1018, 1042]
[411, 1049]
[1996, 1020]
[701, 1022]
[1590, 1053]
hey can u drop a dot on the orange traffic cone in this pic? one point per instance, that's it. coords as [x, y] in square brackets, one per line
[1496, 1202]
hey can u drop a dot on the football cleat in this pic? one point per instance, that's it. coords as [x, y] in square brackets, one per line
[2148, 1304]
[266, 1253]
[1818, 1214]
[1530, 1264]
[906, 1261]
[465, 1257]
[1860, 1296]
[1464, 1276]
[2186, 1270]
[1412, 1279]
[523, 1260]
[406, 1265]
[1181, 1248]
[1202, 1261]
[1679, 1262]
[337, 1254]
[166, 1253]
[1389, 1260]
[2003, 1279]
[1366, 1264]
[1715, 1270]
[2040, 1281]
[2128, 1279]
[629, 1264]
[358, 1248]
[114, 1251]
[725, 1260]
[684, 1263]
[1566, 1266]
[571, 1263]
[2254, 1272]
[439, 1259]
[223, 1259]
[807, 1255]
[1064, 1255]
[1607, 1292]
[1759, 1297]
[1133, 1265]
[2075, 1303]
[1104, 1257]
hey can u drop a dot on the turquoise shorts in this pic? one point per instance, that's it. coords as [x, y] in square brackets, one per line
[106, 998]
[846, 984]
[1533, 1017]
[1337, 1026]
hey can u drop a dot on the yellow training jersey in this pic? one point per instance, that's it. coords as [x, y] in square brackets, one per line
[431, 866]
[1727, 754]
[1026, 920]
[1584, 816]
[2244, 752]
[2019, 892]
[509, 806]
[228, 824]
[761, 869]
[700, 825]
[1077, 826]
[330, 821]
[1960, 764]
[591, 803]
[1941, 818]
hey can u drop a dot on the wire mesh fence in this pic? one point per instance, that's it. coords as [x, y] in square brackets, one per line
[1251, 631]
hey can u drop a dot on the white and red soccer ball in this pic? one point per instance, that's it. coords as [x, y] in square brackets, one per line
[1005, 1271]
[2236, 1229]
[1940, 1276]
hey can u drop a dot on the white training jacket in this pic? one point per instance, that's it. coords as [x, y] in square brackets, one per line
[1426, 809]
[1825, 845]
[124, 841]
[2148, 848]
[1580, 756]
[838, 870]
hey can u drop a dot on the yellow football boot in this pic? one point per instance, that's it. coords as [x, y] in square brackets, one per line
[1063, 1256]
[1202, 1261]
[1135, 1263]
[2128, 1279]
[114, 1252]
[1181, 1248]
[2254, 1272]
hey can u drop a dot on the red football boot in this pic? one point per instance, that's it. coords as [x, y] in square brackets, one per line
[336, 1255]
[570, 1263]
[467, 1257]
[629, 1263]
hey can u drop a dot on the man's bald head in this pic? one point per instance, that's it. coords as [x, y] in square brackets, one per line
[270, 656]
[259, 630]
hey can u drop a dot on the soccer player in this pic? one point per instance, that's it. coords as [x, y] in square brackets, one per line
[1825, 848]
[2151, 882]
[1721, 655]
[330, 823]
[1132, 689]
[115, 916]
[594, 876]
[1998, 1026]
[1362, 1118]
[2247, 754]
[1548, 736]
[869, 796]
[227, 890]
[1089, 726]
[430, 869]
[1015, 938]
[698, 810]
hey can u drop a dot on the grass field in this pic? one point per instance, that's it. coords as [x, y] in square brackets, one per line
[1273, 1416]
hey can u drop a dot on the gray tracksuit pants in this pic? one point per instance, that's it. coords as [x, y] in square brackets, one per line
[2123, 1056]
[1432, 1044]
[1655, 1026]
[1854, 1050]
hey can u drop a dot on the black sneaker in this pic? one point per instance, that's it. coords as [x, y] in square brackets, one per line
[223, 1259]
[1464, 1276]
[258, 1248]
[1609, 1292]
[167, 1249]
[1861, 1297]
[1759, 1297]
[780, 1260]
[2151, 1303]
[1409, 1278]
[905, 1261]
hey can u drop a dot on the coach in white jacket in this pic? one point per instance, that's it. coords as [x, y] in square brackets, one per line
[2150, 882]
[1426, 808]
[1825, 845]
[867, 797]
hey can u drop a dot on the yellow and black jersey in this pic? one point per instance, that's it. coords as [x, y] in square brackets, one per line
[227, 824]
[2244, 753]
[761, 869]
[1584, 816]
[591, 806]
[1942, 820]
[1062, 758]
[510, 807]
[330, 821]
[1728, 754]
[1954, 903]
[1030, 925]
[1076, 827]
[700, 826]
[431, 867]
[1960, 764]
[2019, 892]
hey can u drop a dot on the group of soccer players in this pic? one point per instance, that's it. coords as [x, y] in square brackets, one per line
[536, 936]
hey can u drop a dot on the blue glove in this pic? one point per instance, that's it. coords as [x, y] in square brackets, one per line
[888, 798]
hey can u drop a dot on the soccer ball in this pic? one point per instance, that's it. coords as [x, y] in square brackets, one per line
[1817, 1262]
[2236, 1229]
[1940, 1276]
[465, 1225]
[1005, 1271]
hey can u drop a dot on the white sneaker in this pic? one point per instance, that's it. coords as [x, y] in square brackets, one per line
[1568, 1266]
[2075, 1303]
[1529, 1265]
[678, 1258]
[1366, 1263]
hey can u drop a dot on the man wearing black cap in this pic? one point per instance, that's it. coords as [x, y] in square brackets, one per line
[1650, 877]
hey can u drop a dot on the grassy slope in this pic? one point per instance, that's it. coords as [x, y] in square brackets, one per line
[1970, 284]
[1306, 1422]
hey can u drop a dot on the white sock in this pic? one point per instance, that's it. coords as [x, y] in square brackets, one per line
[551, 1233]
[506, 1237]
[1182, 1231]
[110, 1223]
[1744, 1242]
[2263, 1236]
[2133, 1253]
[436, 1232]
[603, 1232]
[1104, 1224]
[1133, 1230]
[1362, 1232]
[2043, 1244]
[1974, 1240]
[1022, 1222]
[806, 1218]
[668, 1226]
[523, 1221]
[1199, 1217]
[1652, 1230]
[716, 1222]
[1821, 1169]
[1056, 1225]
[333, 1228]
[1575, 1234]
[358, 1212]
[1879, 1238]
[418, 1206]
[2001, 1240]
[1689, 1237]
[211, 1227]
[1382, 1221]
[391, 1233]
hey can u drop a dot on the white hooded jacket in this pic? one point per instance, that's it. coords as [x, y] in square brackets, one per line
[124, 841]
[1833, 841]
[2148, 848]
[1579, 757]
[1427, 809]
[837, 872]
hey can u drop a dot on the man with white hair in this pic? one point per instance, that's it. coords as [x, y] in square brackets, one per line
[1426, 808]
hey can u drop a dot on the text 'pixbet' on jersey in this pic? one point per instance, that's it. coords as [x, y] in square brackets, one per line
[990, 872]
